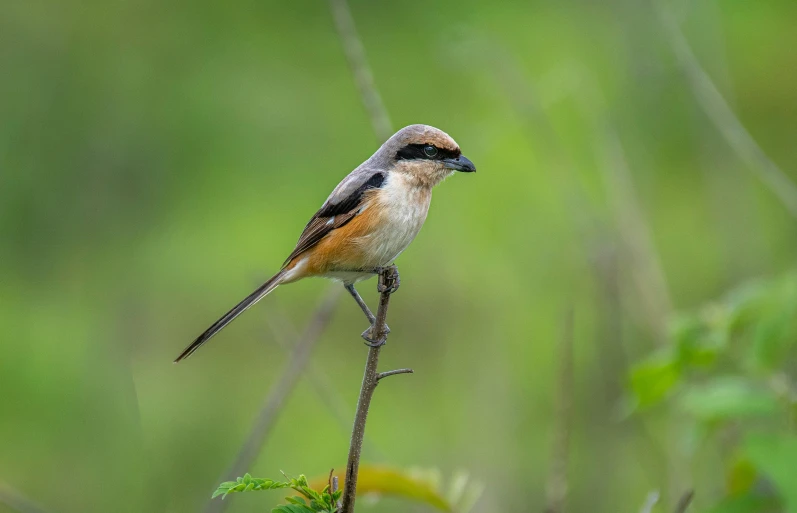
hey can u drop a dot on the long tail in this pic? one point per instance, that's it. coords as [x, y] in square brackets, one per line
[237, 310]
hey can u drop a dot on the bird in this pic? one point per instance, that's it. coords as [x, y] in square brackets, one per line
[367, 221]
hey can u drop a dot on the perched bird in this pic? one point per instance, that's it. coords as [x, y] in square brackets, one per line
[368, 220]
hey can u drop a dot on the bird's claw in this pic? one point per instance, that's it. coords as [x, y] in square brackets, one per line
[370, 341]
[389, 279]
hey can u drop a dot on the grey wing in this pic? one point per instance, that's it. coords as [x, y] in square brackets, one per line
[340, 207]
[350, 185]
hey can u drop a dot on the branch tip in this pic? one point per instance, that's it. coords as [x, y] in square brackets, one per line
[393, 373]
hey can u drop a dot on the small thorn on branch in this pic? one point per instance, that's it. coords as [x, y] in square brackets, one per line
[335, 487]
[332, 480]
[393, 373]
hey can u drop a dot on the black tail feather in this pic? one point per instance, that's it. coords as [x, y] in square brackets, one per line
[237, 310]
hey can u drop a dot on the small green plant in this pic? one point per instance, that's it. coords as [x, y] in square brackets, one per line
[309, 500]
[729, 376]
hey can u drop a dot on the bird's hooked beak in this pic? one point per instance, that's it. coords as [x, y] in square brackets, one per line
[461, 163]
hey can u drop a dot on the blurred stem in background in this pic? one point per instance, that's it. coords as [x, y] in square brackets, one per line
[282, 388]
[18, 502]
[716, 108]
[560, 447]
[284, 333]
[361, 72]
[627, 245]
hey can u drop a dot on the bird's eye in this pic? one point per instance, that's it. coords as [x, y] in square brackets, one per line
[430, 150]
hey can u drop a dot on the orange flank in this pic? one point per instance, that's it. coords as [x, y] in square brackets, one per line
[342, 248]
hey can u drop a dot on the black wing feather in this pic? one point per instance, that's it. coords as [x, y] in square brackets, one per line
[344, 211]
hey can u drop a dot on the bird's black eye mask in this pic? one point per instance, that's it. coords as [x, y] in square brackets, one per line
[425, 152]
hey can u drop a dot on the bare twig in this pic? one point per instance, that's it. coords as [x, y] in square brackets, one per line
[393, 373]
[717, 109]
[370, 380]
[684, 501]
[355, 55]
[333, 485]
[18, 502]
[557, 478]
[650, 501]
[278, 393]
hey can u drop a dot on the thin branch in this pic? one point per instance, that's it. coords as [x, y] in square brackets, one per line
[355, 56]
[684, 501]
[393, 373]
[18, 502]
[717, 109]
[557, 478]
[370, 380]
[650, 501]
[278, 393]
[333, 485]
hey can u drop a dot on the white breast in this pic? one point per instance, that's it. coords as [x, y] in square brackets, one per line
[403, 208]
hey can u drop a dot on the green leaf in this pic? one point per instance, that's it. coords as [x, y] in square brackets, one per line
[728, 398]
[744, 302]
[775, 336]
[749, 503]
[776, 455]
[698, 342]
[247, 483]
[740, 478]
[292, 508]
[652, 379]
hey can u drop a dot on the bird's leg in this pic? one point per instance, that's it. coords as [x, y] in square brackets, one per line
[361, 302]
[367, 311]
[389, 282]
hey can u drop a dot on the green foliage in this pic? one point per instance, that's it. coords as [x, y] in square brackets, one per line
[776, 456]
[319, 502]
[292, 508]
[728, 372]
[248, 483]
[726, 398]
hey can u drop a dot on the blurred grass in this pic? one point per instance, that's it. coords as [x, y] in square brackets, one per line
[159, 159]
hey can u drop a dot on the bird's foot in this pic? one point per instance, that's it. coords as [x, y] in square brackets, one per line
[372, 341]
[389, 279]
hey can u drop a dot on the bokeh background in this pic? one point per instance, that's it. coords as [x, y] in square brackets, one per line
[159, 159]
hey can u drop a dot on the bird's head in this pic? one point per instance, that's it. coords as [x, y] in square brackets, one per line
[425, 154]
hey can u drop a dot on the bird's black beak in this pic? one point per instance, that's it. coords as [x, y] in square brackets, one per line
[461, 163]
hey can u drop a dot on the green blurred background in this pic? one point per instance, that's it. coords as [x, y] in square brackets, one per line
[159, 159]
